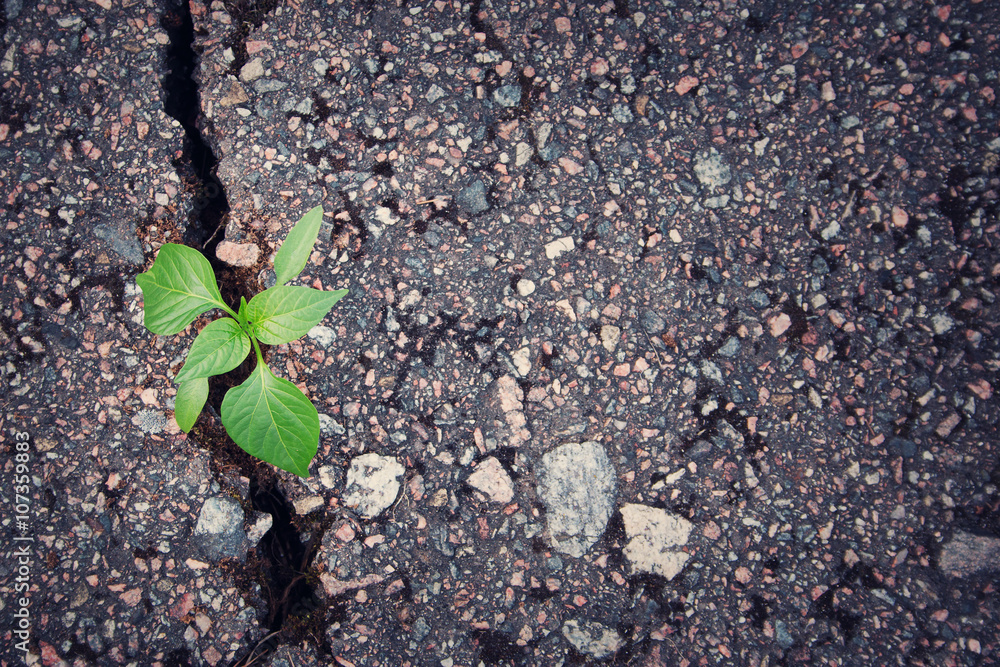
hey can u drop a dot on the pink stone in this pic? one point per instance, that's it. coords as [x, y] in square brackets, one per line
[599, 67]
[491, 478]
[510, 394]
[238, 254]
[345, 533]
[799, 49]
[982, 389]
[899, 217]
[255, 46]
[563, 24]
[132, 597]
[779, 324]
[182, 607]
[685, 84]
[212, 656]
[569, 166]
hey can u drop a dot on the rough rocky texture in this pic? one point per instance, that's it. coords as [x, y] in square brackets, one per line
[655, 538]
[804, 368]
[592, 638]
[577, 485]
[372, 484]
[490, 478]
[219, 532]
[966, 555]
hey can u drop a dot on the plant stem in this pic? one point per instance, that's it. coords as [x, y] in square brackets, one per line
[256, 347]
[230, 311]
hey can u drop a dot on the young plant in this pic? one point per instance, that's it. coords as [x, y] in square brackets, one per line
[266, 415]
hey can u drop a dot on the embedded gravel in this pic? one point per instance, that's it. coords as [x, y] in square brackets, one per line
[726, 268]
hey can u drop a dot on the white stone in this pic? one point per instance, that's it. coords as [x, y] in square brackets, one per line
[942, 323]
[559, 246]
[491, 478]
[522, 361]
[655, 537]
[320, 65]
[308, 504]
[372, 484]
[323, 335]
[525, 287]
[522, 154]
[262, 523]
[385, 216]
[253, 70]
[609, 337]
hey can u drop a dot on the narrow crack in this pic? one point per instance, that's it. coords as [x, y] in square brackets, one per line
[198, 163]
[284, 561]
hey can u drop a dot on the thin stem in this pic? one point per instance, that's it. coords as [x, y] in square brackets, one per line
[256, 347]
[229, 310]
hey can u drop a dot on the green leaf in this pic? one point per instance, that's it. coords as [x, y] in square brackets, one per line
[242, 314]
[282, 314]
[219, 348]
[293, 254]
[179, 287]
[271, 419]
[190, 399]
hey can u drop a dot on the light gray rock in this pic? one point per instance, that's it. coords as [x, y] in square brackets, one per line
[506, 423]
[652, 322]
[717, 202]
[592, 638]
[269, 85]
[577, 486]
[610, 335]
[372, 484]
[219, 532]
[711, 170]
[124, 245]
[508, 96]
[731, 347]
[621, 113]
[473, 198]
[150, 421]
[967, 554]
[262, 523]
[655, 538]
[434, 93]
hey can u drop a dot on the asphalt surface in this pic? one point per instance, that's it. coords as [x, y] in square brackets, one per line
[671, 337]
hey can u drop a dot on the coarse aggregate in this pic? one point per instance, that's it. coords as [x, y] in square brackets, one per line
[732, 261]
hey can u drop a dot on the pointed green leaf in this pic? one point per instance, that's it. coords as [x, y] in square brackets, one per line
[219, 348]
[179, 287]
[190, 399]
[283, 314]
[293, 254]
[271, 419]
[243, 311]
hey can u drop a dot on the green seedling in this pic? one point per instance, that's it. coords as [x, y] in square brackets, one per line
[266, 415]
